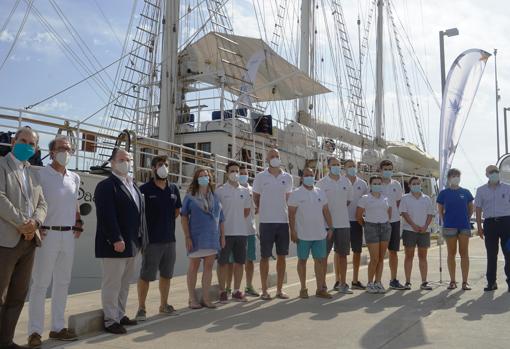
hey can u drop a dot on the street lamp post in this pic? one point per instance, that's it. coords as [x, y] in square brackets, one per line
[447, 32]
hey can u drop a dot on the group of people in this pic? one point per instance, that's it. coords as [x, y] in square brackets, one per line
[40, 221]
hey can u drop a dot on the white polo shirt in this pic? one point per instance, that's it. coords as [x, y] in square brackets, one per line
[61, 194]
[417, 208]
[393, 191]
[273, 196]
[309, 217]
[376, 209]
[250, 220]
[359, 188]
[233, 201]
[338, 192]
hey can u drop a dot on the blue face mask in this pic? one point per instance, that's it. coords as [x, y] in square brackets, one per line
[335, 170]
[23, 151]
[243, 179]
[387, 173]
[308, 181]
[351, 171]
[416, 188]
[494, 177]
[203, 181]
[376, 188]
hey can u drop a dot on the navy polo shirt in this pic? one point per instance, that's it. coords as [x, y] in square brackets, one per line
[160, 205]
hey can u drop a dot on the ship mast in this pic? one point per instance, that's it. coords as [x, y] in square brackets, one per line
[169, 101]
[379, 89]
[306, 44]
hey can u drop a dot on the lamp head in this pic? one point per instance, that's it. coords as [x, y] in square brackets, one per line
[451, 32]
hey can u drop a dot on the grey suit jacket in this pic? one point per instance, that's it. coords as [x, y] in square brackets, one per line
[12, 198]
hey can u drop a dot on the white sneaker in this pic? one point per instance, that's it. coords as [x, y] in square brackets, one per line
[345, 289]
[371, 288]
[379, 287]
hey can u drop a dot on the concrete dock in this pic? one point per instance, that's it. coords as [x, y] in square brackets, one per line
[399, 319]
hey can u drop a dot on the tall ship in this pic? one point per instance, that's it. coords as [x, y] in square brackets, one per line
[189, 86]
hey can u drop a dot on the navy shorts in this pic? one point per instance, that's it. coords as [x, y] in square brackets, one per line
[394, 244]
[274, 234]
[235, 246]
[356, 237]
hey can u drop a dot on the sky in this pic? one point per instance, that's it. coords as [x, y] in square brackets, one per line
[38, 67]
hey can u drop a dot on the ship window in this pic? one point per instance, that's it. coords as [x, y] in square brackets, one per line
[205, 146]
[190, 152]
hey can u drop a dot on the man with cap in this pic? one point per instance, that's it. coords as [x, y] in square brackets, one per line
[493, 201]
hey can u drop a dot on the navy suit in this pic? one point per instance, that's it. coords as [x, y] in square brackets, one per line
[118, 218]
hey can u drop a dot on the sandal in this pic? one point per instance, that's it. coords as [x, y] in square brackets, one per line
[452, 286]
[282, 295]
[466, 287]
[208, 304]
[194, 305]
[265, 296]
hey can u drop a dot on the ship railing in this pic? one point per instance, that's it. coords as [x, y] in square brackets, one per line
[84, 137]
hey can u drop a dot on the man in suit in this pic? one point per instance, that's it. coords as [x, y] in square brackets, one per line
[120, 234]
[22, 211]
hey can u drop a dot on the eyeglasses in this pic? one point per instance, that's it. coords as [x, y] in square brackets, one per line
[65, 149]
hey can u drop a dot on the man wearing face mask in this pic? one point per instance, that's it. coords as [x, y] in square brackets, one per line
[359, 188]
[393, 191]
[236, 203]
[338, 190]
[162, 207]
[271, 189]
[308, 210]
[22, 211]
[121, 232]
[493, 201]
[54, 260]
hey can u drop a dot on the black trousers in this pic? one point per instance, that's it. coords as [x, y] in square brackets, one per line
[497, 232]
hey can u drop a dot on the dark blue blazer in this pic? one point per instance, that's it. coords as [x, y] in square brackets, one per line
[118, 218]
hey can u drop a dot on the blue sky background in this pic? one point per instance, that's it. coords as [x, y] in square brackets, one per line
[38, 66]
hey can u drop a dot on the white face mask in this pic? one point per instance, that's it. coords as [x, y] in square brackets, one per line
[233, 177]
[454, 180]
[123, 167]
[275, 162]
[62, 158]
[162, 172]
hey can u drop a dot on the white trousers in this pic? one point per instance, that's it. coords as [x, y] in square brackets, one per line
[53, 260]
[117, 273]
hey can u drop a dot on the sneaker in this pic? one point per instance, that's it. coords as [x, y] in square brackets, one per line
[344, 289]
[239, 296]
[64, 334]
[357, 285]
[336, 287]
[141, 315]
[407, 286]
[34, 340]
[224, 297]
[425, 286]
[125, 321]
[396, 285]
[116, 328]
[303, 293]
[371, 288]
[250, 291]
[228, 290]
[380, 288]
[167, 309]
[323, 294]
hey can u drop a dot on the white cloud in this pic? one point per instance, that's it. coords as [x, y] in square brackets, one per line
[6, 36]
[54, 106]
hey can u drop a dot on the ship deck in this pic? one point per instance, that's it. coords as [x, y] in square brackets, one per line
[398, 319]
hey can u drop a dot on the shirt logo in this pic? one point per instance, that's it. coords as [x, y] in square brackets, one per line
[319, 199]
[345, 188]
[283, 182]
[503, 196]
[359, 188]
[461, 196]
[242, 196]
[153, 196]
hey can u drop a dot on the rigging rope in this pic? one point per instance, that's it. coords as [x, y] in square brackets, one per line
[14, 7]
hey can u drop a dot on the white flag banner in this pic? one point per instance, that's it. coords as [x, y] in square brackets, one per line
[459, 92]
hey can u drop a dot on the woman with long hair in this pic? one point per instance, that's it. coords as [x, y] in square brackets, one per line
[202, 223]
